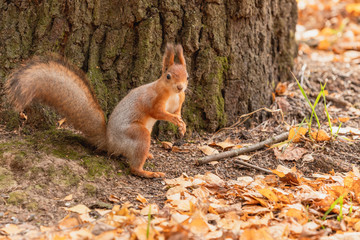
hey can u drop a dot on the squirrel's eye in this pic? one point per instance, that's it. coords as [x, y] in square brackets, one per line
[168, 76]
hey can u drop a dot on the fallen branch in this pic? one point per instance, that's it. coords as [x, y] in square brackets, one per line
[236, 152]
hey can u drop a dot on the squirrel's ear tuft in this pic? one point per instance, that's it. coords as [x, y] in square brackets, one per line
[180, 54]
[168, 58]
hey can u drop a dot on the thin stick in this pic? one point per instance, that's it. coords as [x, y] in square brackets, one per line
[253, 166]
[242, 150]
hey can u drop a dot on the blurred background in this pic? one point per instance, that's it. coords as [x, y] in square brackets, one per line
[329, 30]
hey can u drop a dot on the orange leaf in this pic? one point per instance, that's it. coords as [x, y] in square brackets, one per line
[353, 8]
[320, 136]
[280, 88]
[300, 133]
[344, 119]
[298, 215]
[324, 45]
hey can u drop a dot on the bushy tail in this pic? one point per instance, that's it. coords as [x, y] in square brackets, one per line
[57, 83]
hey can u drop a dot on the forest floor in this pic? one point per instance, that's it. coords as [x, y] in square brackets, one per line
[43, 173]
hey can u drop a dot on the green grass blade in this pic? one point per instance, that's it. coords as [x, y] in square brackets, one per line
[308, 101]
[148, 223]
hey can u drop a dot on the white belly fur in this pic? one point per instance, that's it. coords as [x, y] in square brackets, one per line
[150, 123]
[172, 104]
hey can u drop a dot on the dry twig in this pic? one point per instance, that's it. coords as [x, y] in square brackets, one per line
[243, 150]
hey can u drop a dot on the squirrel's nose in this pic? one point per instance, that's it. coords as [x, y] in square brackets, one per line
[180, 87]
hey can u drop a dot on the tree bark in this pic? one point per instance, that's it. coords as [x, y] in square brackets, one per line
[236, 50]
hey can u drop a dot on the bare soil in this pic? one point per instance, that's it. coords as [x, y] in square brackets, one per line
[39, 169]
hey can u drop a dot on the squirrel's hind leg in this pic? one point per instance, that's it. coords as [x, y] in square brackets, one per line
[138, 153]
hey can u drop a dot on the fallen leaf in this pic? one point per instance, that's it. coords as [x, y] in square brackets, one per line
[280, 88]
[228, 143]
[208, 150]
[167, 145]
[197, 224]
[142, 232]
[81, 209]
[114, 199]
[320, 136]
[69, 222]
[68, 197]
[179, 150]
[290, 153]
[300, 132]
[141, 199]
[150, 209]
[11, 229]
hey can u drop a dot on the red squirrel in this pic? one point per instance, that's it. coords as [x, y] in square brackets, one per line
[54, 81]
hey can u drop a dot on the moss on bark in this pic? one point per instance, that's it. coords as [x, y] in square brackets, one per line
[236, 51]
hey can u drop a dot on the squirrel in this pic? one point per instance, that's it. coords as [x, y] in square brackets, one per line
[52, 80]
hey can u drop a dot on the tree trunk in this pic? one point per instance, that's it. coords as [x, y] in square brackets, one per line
[236, 50]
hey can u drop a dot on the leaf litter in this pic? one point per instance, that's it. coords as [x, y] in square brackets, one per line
[286, 205]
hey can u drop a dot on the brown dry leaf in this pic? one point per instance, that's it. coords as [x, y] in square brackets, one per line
[141, 199]
[228, 143]
[69, 222]
[320, 136]
[114, 199]
[269, 194]
[167, 145]
[299, 215]
[80, 208]
[197, 224]
[141, 232]
[299, 134]
[68, 197]
[208, 150]
[179, 150]
[290, 153]
[11, 229]
[150, 209]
